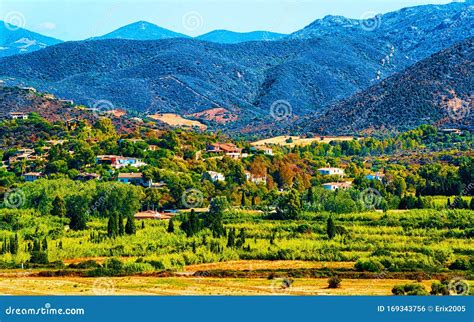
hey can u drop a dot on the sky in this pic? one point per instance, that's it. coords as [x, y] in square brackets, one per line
[82, 19]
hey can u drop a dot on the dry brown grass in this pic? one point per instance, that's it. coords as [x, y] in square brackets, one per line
[138, 285]
[176, 120]
[281, 140]
[267, 265]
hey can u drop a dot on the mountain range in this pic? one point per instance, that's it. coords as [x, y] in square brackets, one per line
[15, 40]
[311, 70]
[437, 90]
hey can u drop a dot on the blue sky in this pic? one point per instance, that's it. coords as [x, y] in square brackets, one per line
[80, 19]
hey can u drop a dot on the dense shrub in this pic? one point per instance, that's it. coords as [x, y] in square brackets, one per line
[369, 265]
[409, 289]
[334, 282]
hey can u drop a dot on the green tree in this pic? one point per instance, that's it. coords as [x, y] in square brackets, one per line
[242, 199]
[171, 226]
[289, 206]
[14, 245]
[330, 228]
[76, 211]
[112, 225]
[130, 228]
[214, 217]
[121, 227]
[241, 239]
[231, 238]
[191, 225]
[59, 207]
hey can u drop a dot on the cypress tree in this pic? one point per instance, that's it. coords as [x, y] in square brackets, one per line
[112, 226]
[241, 240]
[45, 244]
[243, 202]
[130, 228]
[171, 226]
[310, 197]
[231, 238]
[121, 228]
[14, 245]
[331, 228]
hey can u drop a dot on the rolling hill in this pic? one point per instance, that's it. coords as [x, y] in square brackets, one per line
[437, 90]
[15, 40]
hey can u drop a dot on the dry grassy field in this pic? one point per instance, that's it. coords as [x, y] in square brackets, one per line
[296, 140]
[138, 285]
[262, 264]
[176, 120]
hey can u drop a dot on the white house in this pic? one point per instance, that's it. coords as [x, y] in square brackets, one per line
[333, 186]
[375, 176]
[117, 162]
[331, 171]
[18, 115]
[264, 149]
[255, 179]
[214, 176]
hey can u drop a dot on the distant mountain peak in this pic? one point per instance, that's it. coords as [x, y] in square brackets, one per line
[15, 40]
[141, 30]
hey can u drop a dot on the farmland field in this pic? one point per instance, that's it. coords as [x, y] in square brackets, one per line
[291, 141]
[138, 285]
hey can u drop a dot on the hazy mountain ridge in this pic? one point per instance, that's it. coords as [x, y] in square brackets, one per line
[232, 37]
